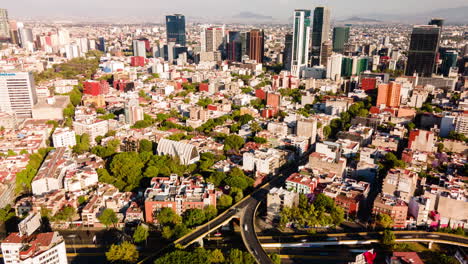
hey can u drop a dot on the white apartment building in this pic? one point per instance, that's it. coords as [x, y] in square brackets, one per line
[43, 248]
[52, 171]
[263, 161]
[17, 93]
[63, 137]
[93, 128]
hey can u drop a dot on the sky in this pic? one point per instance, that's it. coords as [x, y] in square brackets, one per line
[278, 9]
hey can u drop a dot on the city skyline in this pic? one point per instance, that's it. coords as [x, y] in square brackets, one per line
[143, 11]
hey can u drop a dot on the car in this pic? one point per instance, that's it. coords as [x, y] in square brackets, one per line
[303, 240]
[433, 236]
[246, 228]
[218, 234]
[332, 239]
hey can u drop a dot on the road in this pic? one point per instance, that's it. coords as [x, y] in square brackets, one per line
[249, 235]
[400, 236]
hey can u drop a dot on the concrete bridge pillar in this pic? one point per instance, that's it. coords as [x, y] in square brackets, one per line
[200, 241]
[429, 246]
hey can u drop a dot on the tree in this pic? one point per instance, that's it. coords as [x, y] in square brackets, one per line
[125, 252]
[224, 202]
[388, 237]
[210, 212]
[411, 126]
[235, 256]
[193, 217]
[233, 142]
[6, 214]
[384, 221]
[326, 131]
[275, 258]
[167, 216]
[440, 147]
[108, 217]
[146, 145]
[216, 256]
[141, 234]
[127, 167]
[66, 213]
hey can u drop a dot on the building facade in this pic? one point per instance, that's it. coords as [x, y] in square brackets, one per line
[175, 29]
[17, 93]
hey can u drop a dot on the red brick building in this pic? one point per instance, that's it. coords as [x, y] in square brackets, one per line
[396, 208]
[95, 88]
[273, 99]
[203, 87]
[137, 61]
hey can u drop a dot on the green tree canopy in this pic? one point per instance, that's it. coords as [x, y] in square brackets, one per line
[108, 217]
[123, 253]
[141, 234]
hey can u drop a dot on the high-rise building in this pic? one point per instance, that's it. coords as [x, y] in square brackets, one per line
[423, 49]
[340, 38]
[256, 45]
[389, 94]
[320, 32]
[287, 52]
[449, 60]
[139, 48]
[102, 44]
[214, 39]
[17, 93]
[4, 25]
[234, 46]
[437, 22]
[301, 41]
[326, 52]
[175, 29]
[347, 67]
[133, 112]
[334, 66]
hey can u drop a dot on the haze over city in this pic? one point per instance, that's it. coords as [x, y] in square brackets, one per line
[234, 132]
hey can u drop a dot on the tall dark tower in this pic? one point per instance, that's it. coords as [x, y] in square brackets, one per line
[175, 28]
[320, 32]
[234, 46]
[423, 48]
[287, 53]
[437, 22]
[256, 45]
[340, 38]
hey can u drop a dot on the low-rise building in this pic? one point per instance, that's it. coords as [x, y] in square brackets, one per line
[396, 208]
[63, 137]
[42, 248]
[179, 194]
[52, 171]
[303, 182]
[277, 199]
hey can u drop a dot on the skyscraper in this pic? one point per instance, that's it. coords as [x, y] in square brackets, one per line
[423, 48]
[256, 45]
[301, 41]
[234, 50]
[389, 94]
[139, 48]
[17, 93]
[340, 38]
[175, 29]
[437, 22]
[4, 25]
[214, 39]
[102, 44]
[320, 32]
[287, 52]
